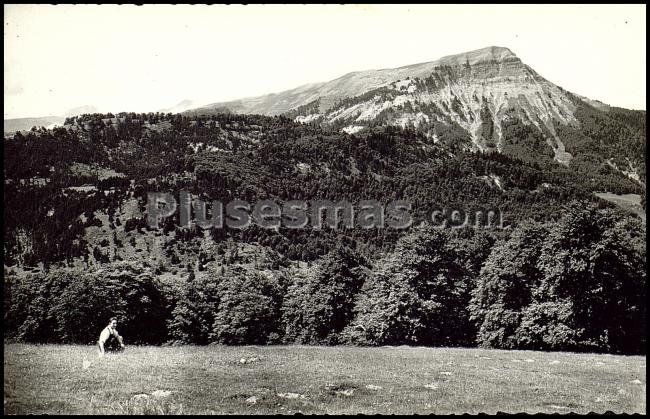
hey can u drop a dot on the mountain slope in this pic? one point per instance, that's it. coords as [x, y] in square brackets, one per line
[349, 85]
[90, 182]
[486, 100]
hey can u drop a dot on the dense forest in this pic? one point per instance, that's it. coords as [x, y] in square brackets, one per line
[566, 273]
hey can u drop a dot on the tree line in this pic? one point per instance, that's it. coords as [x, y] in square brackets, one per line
[577, 284]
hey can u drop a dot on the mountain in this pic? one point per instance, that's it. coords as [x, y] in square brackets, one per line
[486, 100]
[181, 106]
[13, 125]
[464, 137]
[349, 85]
[474, 130]
[25, 124]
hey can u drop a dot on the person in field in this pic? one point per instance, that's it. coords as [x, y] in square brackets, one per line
[109, 339]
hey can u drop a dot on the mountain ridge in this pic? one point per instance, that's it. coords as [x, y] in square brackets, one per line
[352, 83]
[491, 53]
[476, 91]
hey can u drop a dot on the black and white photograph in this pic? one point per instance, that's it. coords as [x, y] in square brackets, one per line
[334, 209]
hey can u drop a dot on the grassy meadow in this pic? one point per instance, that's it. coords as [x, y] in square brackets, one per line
[72, 379]
[629, 202]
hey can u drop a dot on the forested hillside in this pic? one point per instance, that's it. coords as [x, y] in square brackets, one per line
[77, 240]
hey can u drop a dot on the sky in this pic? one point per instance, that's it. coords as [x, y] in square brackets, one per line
[145, 58]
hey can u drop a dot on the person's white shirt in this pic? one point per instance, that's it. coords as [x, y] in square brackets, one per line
[106, 334]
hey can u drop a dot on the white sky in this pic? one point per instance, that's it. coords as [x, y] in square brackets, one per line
[143, 58]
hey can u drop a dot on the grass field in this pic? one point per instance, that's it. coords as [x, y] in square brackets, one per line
[630, 202]
[290, 379]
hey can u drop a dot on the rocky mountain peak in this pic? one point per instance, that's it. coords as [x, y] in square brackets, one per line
[478, 95]
[488, 54]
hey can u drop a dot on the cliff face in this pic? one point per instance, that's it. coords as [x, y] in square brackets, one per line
[477, 91]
